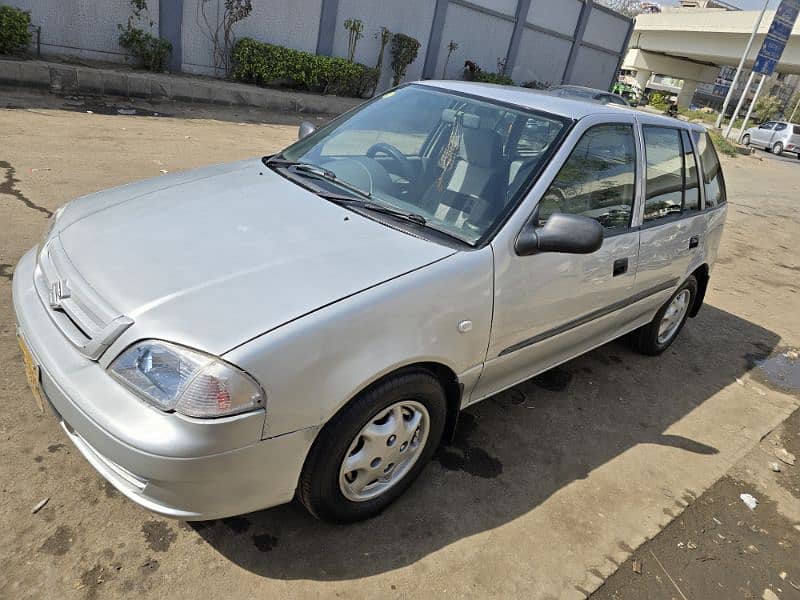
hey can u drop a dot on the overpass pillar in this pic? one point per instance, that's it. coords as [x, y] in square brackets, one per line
[687, 93]
[643, 78]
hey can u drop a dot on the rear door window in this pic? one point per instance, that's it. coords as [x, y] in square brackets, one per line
[691, 197]
[780, 126]
[713, 181]
[664, 183]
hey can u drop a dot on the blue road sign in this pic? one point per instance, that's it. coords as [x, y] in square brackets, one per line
[777, 37]
[764, 65]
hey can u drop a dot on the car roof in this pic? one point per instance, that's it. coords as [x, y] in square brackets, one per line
[572, 108]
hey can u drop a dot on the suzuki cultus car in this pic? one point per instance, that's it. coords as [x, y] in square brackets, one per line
[310, 324]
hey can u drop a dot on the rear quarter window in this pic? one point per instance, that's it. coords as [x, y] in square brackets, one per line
[713, 180]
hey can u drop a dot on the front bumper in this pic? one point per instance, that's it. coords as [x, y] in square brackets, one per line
[175, 466]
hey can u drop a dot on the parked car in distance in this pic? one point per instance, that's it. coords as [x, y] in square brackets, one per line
[775, 136]
[310, 324]
[579, 92]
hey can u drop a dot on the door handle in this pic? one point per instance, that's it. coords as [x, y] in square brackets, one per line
[620, 266]
[694, 241]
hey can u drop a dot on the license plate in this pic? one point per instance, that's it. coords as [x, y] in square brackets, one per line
[31, 372]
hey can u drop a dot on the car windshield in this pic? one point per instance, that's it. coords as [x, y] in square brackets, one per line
[455, 163]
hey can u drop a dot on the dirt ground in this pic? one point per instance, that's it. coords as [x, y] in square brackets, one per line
[718, 547]
[548, 488]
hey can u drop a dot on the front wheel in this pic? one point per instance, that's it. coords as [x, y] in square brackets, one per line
[372, 450]
[655, 337]
[746, 140]
[777, 149]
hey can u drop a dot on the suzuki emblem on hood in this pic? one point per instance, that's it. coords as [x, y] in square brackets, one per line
[59, 290]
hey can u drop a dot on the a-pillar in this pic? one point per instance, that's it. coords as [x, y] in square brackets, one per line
[687, 93]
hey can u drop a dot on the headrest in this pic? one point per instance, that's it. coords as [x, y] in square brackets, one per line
[480, 147]
[470, 120]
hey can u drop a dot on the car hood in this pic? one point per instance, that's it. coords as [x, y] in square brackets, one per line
[213, 258]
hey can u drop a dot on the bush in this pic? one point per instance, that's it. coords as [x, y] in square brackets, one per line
[767, 108]
[659, 101]
[15, 34]
[535, 84]
[267, 64]
[151, 50]
[722, 145]
[404, 52]
[498, 78]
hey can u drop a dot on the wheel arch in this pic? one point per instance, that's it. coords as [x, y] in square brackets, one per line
[702, 275]
[453, 390]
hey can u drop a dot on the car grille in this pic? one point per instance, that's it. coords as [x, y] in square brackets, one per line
[88, 322]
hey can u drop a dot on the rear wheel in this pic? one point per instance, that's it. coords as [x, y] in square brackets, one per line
[658, 335]
[777, 149]
[372, 450]
[746, 139]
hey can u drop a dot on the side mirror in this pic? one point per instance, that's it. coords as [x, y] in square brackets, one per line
[306, 129]
[571, 234]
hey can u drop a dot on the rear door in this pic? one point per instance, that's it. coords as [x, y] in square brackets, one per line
[672, 223]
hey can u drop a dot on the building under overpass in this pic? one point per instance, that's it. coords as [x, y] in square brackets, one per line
[693, 43]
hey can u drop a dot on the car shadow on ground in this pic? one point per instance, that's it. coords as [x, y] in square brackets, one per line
[511, 453]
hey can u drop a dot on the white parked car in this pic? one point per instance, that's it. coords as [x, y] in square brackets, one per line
[776, 136]
[310, 324]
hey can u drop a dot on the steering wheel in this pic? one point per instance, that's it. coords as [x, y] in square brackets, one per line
[404, 166]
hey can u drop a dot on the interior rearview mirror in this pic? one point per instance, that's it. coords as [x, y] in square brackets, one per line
[571, 234]
[306, 129]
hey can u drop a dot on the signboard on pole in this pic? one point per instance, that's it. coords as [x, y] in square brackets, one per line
[777, 38]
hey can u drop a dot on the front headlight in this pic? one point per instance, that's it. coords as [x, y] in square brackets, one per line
[194, 384]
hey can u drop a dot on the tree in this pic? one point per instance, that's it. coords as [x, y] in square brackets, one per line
[767, 108]
[629, 8]
[793, 107]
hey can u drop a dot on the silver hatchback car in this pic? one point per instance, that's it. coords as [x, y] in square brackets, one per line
[310, 324]
[776, 136]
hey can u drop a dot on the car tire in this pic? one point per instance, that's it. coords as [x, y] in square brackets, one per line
[777, 149]
[330, 492]
[655, 337]
[746, 140]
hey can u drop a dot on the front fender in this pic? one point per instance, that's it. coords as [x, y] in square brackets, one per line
[313, 366]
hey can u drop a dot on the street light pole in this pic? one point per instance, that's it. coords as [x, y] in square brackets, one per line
[743, 97]
[752, 104]
[741, 65]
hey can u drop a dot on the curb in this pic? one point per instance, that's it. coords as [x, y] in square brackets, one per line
[60, 78]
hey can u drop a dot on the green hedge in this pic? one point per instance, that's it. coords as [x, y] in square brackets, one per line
[267, 64]
[15, 34]
[486, 77]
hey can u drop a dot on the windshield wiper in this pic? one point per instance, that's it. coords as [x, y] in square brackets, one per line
[375, 207]
[317, 171]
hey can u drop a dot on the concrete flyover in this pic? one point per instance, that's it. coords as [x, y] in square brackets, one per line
[691, 44]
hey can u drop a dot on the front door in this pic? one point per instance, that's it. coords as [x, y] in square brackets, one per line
[552, 306]
[763, 134]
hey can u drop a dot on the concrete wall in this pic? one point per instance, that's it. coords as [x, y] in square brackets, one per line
[83, 29]
[544, 40]
[412, 17]
[284, 22]
[482, 38]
